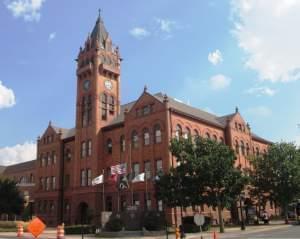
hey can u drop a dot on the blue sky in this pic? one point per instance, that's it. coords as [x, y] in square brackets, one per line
[215, 55]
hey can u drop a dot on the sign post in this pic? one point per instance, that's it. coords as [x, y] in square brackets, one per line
[199, 221]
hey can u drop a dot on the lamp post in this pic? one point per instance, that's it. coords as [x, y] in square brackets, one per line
[242, 197]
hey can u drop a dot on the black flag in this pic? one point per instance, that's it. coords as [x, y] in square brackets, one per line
[123, 182]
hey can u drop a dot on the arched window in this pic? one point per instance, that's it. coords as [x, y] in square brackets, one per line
[104, 106]
[135, 139]
[122, 143]
[178, 132]
[111, 102]
[242, 148]
[157, 133]
[196, 133]
[187, 133]
[109, 146]
[247, 149]
[207, 135]
[215, 138]
[146, 135]
[257, 151]
[237, 149]
[221, 140]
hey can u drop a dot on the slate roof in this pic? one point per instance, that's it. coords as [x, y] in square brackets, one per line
[180, 107]
[258, 138]
[99, 32]
[20, 167]
[65, 133]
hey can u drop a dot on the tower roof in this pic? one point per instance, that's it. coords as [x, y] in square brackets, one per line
[99, 32]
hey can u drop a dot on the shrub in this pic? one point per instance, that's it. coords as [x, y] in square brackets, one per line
[78, 229]
[114, 224]
[11, 226]
[189, 226]
[154, 221]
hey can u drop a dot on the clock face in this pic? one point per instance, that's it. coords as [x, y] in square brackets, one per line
[108, 84]
[86, 84]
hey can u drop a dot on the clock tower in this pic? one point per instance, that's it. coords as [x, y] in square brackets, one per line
[98, 94]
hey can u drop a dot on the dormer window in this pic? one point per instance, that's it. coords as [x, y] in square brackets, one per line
[240, 127]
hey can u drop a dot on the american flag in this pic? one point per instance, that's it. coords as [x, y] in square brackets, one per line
[118, 169]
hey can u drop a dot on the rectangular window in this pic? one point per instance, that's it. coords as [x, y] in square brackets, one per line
[148, 170]
[89, 152]
[47, 184]
[53, 183]
[83, 178]
[136, 169]
[68, 155]
[54, 157]
[41, 184]
[148, 201]
[159, 167]
[89, 177]
[83, 149]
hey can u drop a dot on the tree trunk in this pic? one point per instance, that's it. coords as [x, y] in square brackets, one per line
[221, 223]
[285, 211]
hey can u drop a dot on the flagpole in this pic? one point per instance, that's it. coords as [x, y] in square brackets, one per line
[103, 197]
[145, 177]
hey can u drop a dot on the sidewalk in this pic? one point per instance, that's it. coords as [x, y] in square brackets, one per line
[229, 233]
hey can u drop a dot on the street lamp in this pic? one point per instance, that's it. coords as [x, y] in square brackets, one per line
[242, 198]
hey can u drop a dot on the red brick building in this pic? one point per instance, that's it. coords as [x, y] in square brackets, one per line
[107, 133]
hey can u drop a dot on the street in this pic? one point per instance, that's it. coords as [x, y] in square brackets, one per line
[260, 232]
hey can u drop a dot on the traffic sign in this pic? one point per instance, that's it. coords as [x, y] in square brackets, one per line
[36, 227]
[199, 219]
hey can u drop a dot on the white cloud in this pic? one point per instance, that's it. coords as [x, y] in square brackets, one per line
[166, 25]
[29, 10]
[261, 91]
[52, 36]
[7, 97]
[18, 153]
[259, 111]
[139, 32]
[219, 82]
[267, 32]
[215, 57]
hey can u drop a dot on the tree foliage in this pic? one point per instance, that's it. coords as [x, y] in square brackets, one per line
[205, 173]
[276, 175]
[11, 201]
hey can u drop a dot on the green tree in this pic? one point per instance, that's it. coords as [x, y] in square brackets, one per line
[11, 201]
[276, 175]
[206, 173]
[223, 181]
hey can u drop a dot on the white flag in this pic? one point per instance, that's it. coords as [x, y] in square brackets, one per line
[97, 180]
[139, 178]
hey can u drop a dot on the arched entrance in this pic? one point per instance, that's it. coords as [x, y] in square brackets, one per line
[83, 217]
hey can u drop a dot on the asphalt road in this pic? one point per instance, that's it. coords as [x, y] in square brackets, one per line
[283, 233]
